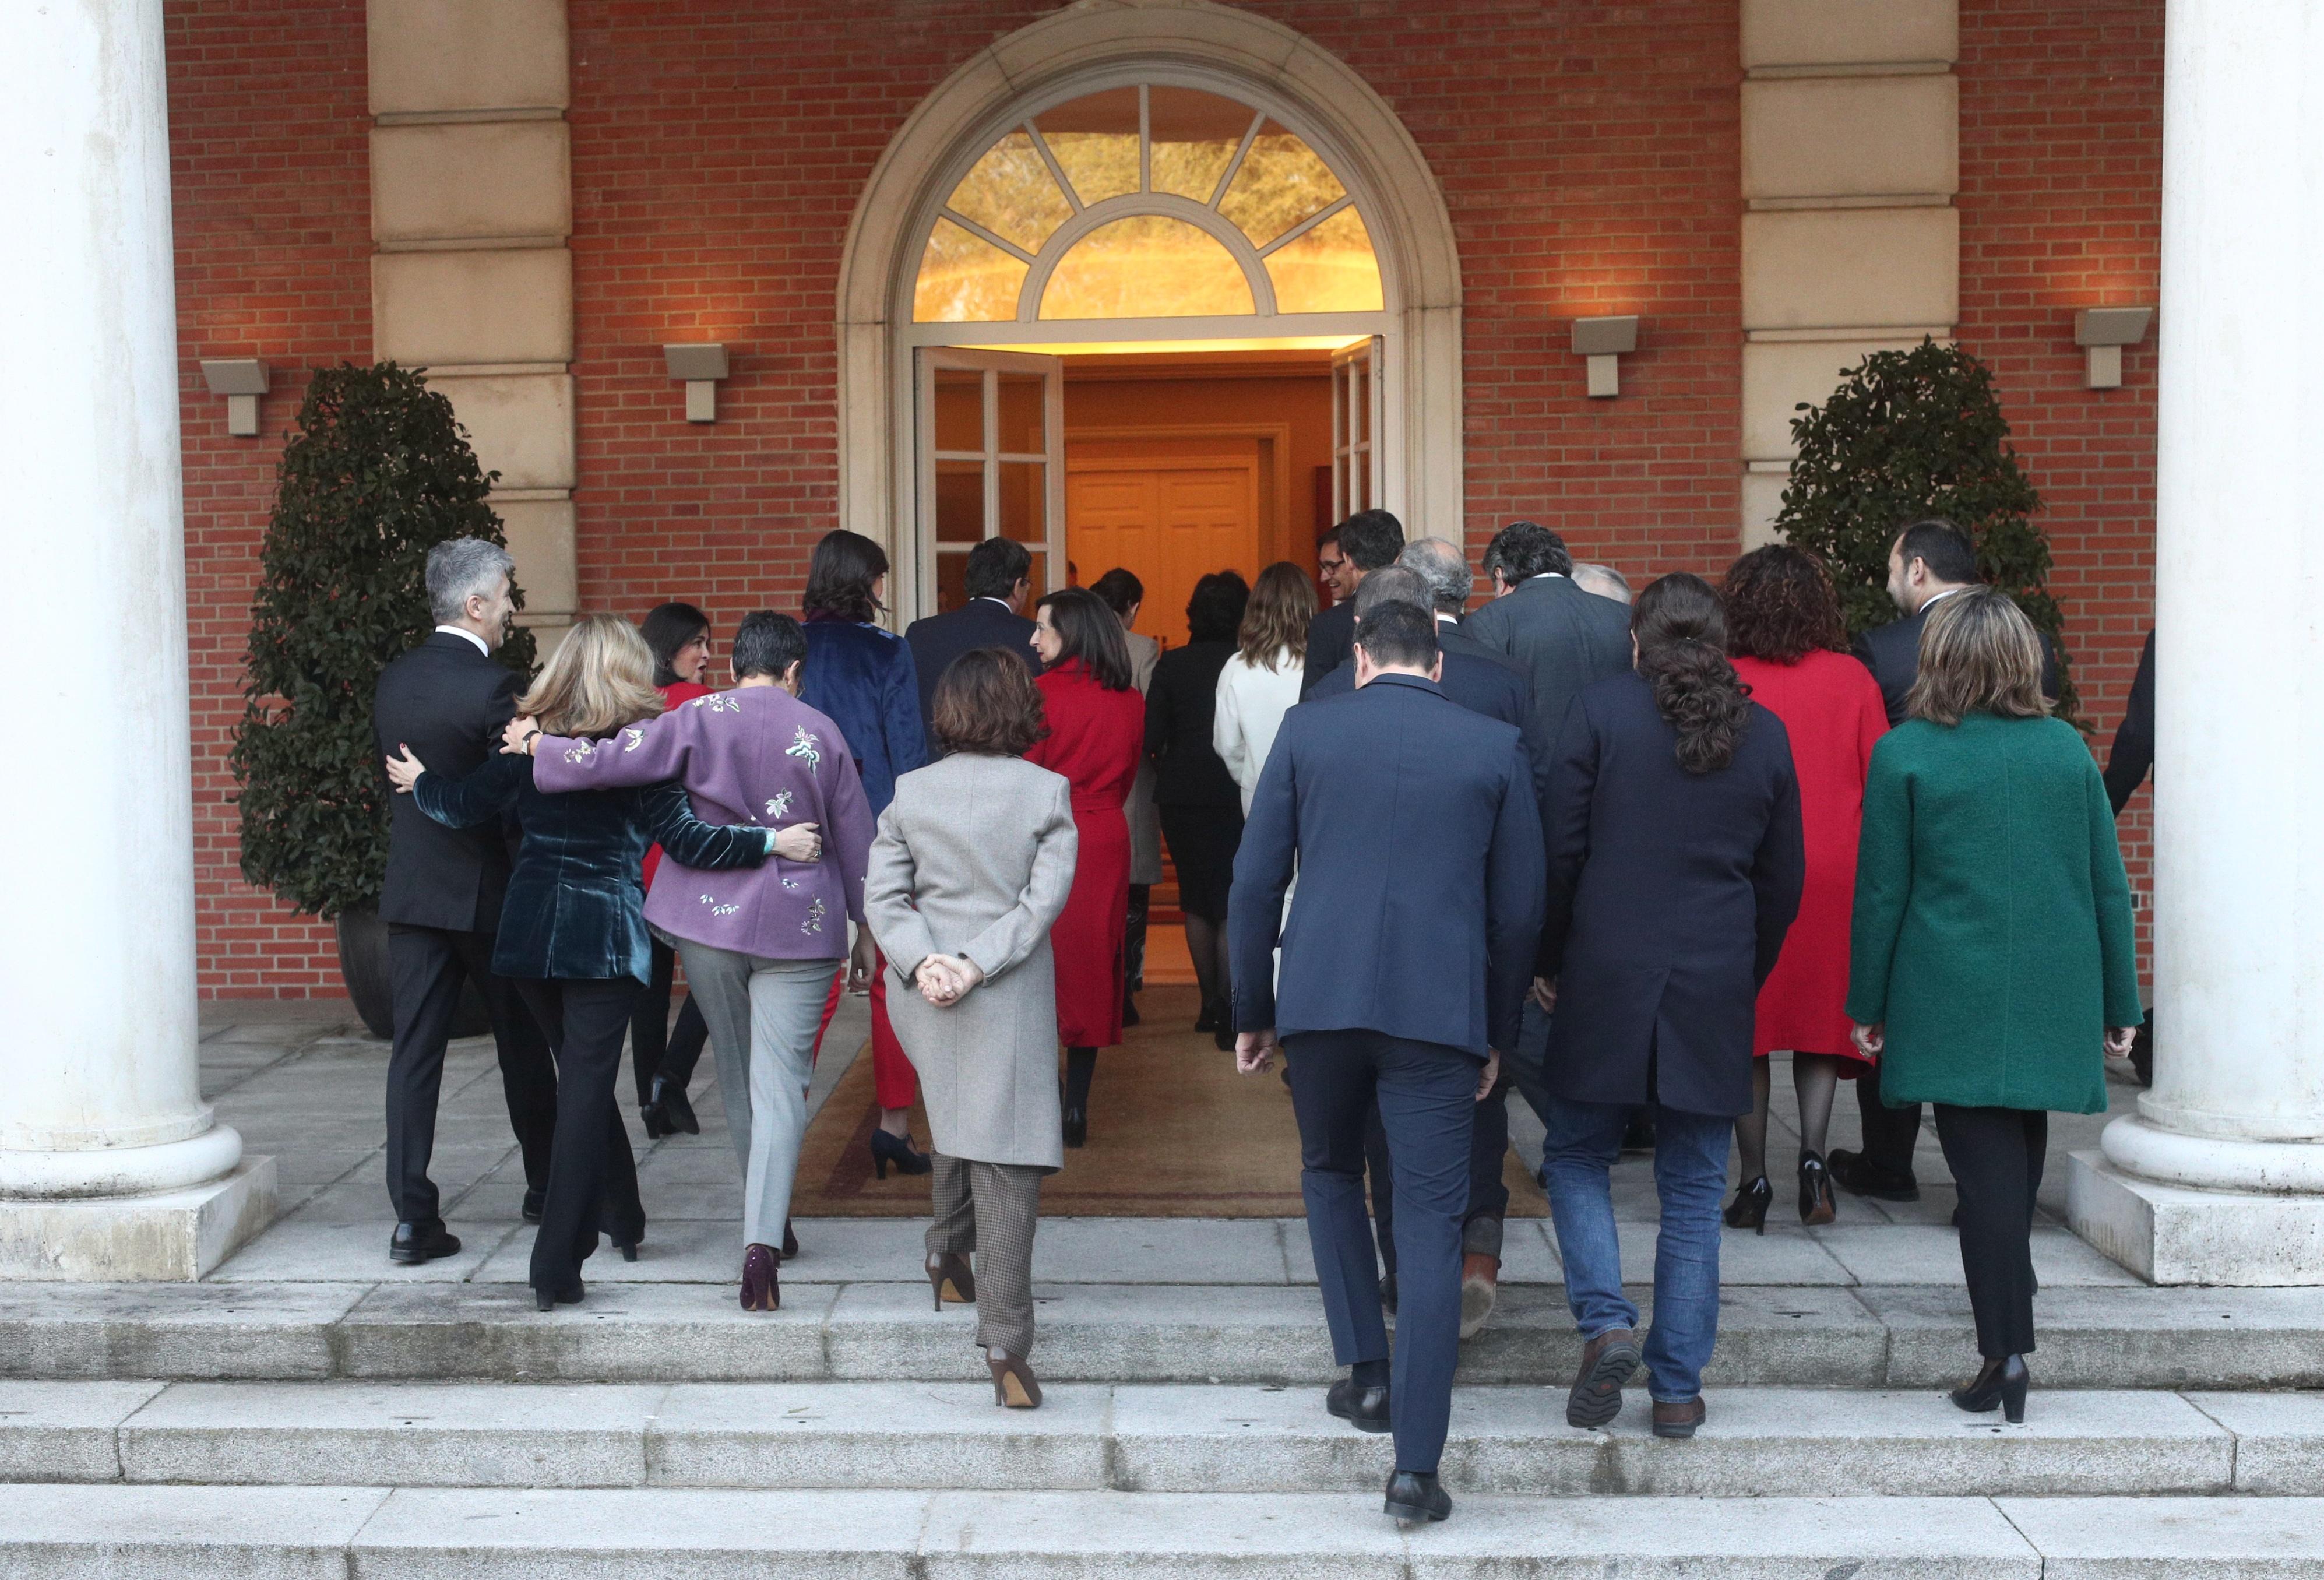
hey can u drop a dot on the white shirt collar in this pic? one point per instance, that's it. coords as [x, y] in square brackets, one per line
[472, 636]
[989, 599]
[1930, 602]
[1444, 619]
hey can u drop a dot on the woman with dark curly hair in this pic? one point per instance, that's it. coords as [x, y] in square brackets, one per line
[1784, 628]
[1672, 824]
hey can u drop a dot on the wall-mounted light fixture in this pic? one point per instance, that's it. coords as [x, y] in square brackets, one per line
[700, 367]
[241, 380]
[1605, 341]
[2103, 332]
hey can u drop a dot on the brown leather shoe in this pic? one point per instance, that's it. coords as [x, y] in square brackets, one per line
[1607, 1361]
[1481, 1286]
[1014, 1386]
[1678, 1420]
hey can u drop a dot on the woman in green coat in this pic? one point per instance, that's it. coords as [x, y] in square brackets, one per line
[1993, 964]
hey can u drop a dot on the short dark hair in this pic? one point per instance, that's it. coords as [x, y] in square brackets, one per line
[1941, 546]
[1122, 591]
[1214, 612]
[767, 643]
[839, 577]
[1781, 606]
[1399, 633]
[668, 627]
[1329, 535]
[986, 702]
[995, 567]
[1092, 633]
[1373, 539]
[1524, 549]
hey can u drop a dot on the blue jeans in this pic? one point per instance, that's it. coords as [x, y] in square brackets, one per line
[1691, 1176]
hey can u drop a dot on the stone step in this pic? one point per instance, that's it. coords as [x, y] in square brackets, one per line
[295, 1533]
[1914, 1336]
[1089, 1437]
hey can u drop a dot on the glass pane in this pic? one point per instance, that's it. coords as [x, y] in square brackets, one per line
[1149, 265]
[965, 280]
[1193, 136]
[960, 408]
[960, 502]
[1329, 269]
[1359, 400]
[1281, 182]
[1021, 413]
[1022, 515]
[1011, 193]
[952, 582]
[1095, 140]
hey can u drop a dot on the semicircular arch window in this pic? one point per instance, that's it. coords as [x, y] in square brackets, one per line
[1212, 208]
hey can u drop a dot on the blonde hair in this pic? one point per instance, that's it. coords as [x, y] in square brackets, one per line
[1979, 654]
[599, 679]
[1275, 621]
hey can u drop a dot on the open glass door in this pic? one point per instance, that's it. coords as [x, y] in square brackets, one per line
[991, 454]
[1355, 427]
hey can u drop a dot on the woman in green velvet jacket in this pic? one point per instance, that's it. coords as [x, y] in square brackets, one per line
[1993, 963]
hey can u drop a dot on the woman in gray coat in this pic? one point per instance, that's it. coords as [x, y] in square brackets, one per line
[969, 871]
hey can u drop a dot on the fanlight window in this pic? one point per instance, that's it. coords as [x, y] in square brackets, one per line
[1150, 201]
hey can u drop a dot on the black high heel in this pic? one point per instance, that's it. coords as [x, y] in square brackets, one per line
[677, 1111]
[790, 1243]
[571, 1296]
[657, 1123]
[1076, 1127]
[1817, 1205]
[888, 1148]
[2002, 1381]
[628, 1248]
[1748, 1210]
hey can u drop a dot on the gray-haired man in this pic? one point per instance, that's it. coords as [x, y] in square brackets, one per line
[446, 700]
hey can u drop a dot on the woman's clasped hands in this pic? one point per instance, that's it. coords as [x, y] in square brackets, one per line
[944, 980]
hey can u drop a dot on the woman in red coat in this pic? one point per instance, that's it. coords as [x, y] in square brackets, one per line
[1097, 733]
[678, 635]
[1784, 623]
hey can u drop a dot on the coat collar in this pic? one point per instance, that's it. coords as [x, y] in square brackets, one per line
[1416, 682]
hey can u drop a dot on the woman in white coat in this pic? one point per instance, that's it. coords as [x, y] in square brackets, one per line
[1260, 683]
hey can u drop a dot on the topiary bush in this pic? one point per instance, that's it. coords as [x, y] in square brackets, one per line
[1911, 434]
[377, 474]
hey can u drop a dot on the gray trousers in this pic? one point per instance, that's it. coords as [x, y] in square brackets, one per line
[988, 1209]
[763, 1016]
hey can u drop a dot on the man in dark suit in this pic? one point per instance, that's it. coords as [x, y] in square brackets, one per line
[1929, 560]
[1366, 541]
[2126, 766]
[1000, 573]
[1477, 677]
[446, 700]
[1411, 824]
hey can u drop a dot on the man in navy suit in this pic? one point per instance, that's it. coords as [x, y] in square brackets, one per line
[999, 577]
[1412, 826]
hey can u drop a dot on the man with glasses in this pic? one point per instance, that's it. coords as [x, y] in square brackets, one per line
[1367, 540]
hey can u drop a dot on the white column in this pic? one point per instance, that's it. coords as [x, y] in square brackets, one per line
[2219, 1177]
[111, 1165]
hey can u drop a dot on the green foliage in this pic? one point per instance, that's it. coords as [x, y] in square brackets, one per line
[1912, 434]
[378, 473]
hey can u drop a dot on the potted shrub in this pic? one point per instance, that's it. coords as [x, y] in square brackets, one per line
[377, 472]
[1911, 434]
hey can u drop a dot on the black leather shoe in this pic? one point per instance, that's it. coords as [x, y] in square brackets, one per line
[1852, 1173]
[569, 1296]
[417, 1243]
[1076, 1127]
[1413, 1497]
[1365, 1409]
[677, 1111]
[2001, 1383]
[535, 1198]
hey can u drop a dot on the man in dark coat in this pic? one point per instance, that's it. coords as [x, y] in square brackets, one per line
[446, 700]
[1000, 573]
[1411, 822]
[2126, 766]
[1367, 540]
[1929, 561]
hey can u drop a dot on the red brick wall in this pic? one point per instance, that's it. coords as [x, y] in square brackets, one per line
[270, 184]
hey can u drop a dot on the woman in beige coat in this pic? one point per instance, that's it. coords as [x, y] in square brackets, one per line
[970, 870]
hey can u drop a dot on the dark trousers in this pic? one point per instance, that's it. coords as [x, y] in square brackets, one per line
[655, 1048]
[1890, 1134]
[1426, 1095]
[1996, 1155]
[430, 966]
[593, 1177]
[1488, 1193]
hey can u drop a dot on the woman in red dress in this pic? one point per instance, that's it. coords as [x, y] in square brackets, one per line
[1097, 733]
[1784, 624]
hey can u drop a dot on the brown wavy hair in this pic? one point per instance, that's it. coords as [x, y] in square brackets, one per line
[1682, 634]
[1979, 654]
[1275, 621]
[1781, 605]
[986, 703]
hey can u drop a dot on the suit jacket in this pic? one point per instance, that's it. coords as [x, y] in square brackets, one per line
[1669, 895]
[939, 639]
[1563, 639]
[448, 702]
[975, 856]
[1417, 842]
[1893, 653]
[862, 679]
[2133, 743]
[1145, 821]
[1331, 639]
[1476, 677]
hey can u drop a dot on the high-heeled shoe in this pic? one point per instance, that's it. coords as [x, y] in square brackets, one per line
[953, 1282]
[888, 1148]
[657, 1122]
[676, 1111]
[2001, 1381]
[1748, 1210]
[1014, 1385]
[1817, 1205]
[1076, 1127]
[790, 1243]
[761, 1291]
[570, 1295]
[628, 1248]
[1208, 1020]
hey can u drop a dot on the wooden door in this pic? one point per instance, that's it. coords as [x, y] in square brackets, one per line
[1170, 521]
